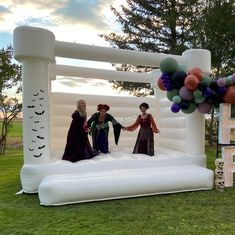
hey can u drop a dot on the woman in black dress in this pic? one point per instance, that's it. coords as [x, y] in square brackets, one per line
[78, 146]
[99, 128]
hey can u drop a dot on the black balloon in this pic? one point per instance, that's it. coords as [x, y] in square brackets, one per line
[217, 98]
[201, 86]
[184, 105]
[214, 85]
[178, 78]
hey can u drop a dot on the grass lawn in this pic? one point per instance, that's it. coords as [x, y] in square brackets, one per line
[15, 133]
[202, 212]
[16, 129]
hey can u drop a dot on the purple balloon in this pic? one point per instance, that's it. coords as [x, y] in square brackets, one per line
[175, 108]
[222, 90]
[204, 107]
[221, 82]
[207, 92]
[168, 83]
[165, 76]
[233, 78]
[185, 93]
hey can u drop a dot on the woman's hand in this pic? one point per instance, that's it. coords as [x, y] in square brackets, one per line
[86, 129]
[157, 131]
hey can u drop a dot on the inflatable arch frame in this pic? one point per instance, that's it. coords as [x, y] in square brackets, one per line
[46, 116]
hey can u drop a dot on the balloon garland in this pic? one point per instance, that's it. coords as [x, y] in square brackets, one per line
[194, 90]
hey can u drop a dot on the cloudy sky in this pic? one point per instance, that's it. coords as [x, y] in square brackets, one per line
[78, 21]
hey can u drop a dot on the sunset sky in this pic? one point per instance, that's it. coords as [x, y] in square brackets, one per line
[80, 21]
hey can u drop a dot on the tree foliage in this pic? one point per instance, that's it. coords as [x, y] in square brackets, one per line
[10, 108]
[172, 26]
[10, 77]
[10, 73]
[154, 26]
[214, 31]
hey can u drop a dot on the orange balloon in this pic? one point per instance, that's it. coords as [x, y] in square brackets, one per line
[191, 82]
[229, 96]
[197, 72]
[160, 84]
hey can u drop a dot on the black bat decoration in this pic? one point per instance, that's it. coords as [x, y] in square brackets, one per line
[41, 147]
[36, 121]
[33, 100]
[40, 137]
[31, 106]
[39, 155]
[41, 105]
[41, 98]
[41, 90]
[34, 130]
[40, 113]
[42, 127]
[36, 94]
[31, 149]
[33, 141]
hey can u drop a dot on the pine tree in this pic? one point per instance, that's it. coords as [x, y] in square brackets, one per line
[154, 26]
[214, 31]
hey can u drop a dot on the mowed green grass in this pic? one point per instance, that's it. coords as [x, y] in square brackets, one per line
[201, 212]
[15, 129]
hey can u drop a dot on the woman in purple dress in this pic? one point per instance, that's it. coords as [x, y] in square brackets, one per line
[78, 146]
[145, 141]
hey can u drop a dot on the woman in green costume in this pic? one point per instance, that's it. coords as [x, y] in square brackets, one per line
[99, 128]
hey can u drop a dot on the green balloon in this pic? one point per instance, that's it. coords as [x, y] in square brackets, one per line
[206, 80]
[177, 99]
[229, 80]
[190, 109]
[197, 94]
[199, 100]
[182, 67]
[170, 94]
[169, 65]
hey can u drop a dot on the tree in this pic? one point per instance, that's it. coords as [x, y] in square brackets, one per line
[154, 26]
[10, 108]
[10, 76]
[172, 26]
[214, 31]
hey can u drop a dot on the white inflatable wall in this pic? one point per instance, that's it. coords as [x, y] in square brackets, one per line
[124, 109]
[47, 115]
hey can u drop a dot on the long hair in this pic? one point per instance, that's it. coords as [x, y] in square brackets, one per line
[81, 112]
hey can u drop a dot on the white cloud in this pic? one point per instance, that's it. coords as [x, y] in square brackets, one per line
[82, 12]
[4, 10]
[85, 86]
[94, 14]
[80, 21]
[70, 20]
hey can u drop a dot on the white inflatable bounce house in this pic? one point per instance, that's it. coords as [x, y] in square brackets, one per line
[179, 163]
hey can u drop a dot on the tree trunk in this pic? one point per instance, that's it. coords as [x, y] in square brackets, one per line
[3, 137]
[3, 145]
